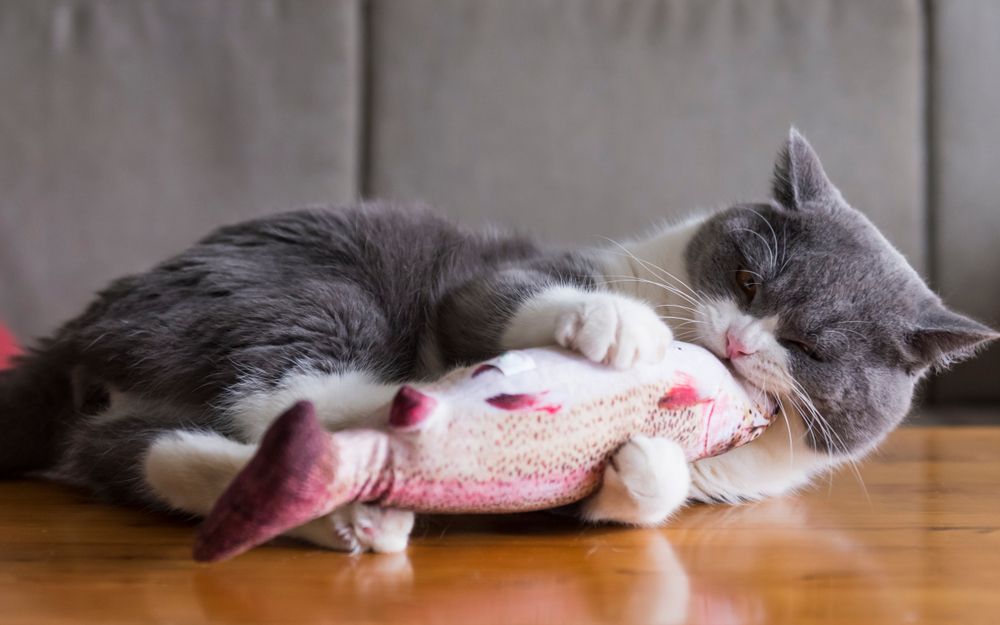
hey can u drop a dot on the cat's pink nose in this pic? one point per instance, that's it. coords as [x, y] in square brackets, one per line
[735, 348]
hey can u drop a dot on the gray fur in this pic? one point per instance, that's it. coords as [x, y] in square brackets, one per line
[357, 288]
[836, 285]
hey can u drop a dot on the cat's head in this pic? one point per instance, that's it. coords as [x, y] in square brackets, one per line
[807, 298]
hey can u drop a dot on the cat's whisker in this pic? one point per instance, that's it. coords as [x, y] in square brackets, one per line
[683, 319]
[666, 287]
[647, 264]
[815, 428]
[750, 271]
[832, 433]
[642, 281]
[788, 428]
[784, 245]
[854, 332]
[682, 306]
[774, 235]
[767, 245]
[669, 287]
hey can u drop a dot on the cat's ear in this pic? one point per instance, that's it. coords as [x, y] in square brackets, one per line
[944, 337]
[799, 180]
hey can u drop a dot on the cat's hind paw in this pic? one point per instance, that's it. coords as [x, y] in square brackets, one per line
[358, 527]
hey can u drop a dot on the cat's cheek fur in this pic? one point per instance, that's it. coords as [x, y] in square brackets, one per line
[605, 327]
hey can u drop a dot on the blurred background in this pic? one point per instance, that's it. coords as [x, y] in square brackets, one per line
[130, 128]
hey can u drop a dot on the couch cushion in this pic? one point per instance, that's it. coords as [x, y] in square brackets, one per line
[129, 129]
[579, 118]
[966, 198]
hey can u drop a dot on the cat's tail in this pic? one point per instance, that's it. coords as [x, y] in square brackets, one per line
[36, 400]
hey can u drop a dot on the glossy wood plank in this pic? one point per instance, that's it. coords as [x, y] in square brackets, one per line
[922, 546]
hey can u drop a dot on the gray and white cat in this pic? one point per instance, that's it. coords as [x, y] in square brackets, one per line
[156, 394]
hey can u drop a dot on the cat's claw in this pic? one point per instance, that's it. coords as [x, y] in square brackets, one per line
[614, 330]
[358, 527]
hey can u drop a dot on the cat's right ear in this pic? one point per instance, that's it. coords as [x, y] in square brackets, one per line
[799, 180]
[945, 337]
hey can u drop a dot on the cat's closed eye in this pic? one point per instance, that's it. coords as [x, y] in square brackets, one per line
[747, 282]
[801, 346]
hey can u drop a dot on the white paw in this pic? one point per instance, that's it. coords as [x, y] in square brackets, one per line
[357, 527]
[613, 330]
[646, 480]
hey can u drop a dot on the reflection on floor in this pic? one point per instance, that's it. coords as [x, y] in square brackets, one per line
[918, 542]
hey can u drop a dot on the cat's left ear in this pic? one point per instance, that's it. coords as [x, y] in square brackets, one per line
[944, 337]
[799, 180]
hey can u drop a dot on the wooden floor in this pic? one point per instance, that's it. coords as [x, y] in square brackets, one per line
[922, 546]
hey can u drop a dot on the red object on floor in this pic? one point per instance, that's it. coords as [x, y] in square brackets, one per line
[8, 347]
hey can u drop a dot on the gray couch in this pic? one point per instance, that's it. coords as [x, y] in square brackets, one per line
[128, 128]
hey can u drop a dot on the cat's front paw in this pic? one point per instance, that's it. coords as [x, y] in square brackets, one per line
[646, 480]
[359, 527]
[613, 330]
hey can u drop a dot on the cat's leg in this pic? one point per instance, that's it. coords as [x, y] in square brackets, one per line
[645, 482]
[604, 327]
[521, 308]
[154, 455]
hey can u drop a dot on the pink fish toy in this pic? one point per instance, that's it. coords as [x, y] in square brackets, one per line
[528, 430]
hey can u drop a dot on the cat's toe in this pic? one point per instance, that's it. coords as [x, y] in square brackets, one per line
[359, 527]
[383, 530]
[614, 330]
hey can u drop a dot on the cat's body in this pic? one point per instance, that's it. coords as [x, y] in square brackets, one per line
[156, 394]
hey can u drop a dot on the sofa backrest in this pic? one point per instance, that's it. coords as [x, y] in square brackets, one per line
[128, 130]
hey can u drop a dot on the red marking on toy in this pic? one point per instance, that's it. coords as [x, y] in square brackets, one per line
[484, 369]
[508, 401]
[522, 401]
[680, 396]
[410, 407]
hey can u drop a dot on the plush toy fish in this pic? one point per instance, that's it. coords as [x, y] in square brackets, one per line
[528, 430]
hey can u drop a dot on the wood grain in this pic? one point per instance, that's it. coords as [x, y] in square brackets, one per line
[922, 546]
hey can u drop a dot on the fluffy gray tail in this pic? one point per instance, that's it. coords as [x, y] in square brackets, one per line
[36, 400]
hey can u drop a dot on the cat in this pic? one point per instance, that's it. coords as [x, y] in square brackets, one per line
[157, 392]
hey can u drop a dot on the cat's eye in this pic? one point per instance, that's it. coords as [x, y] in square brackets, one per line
[747, 282]
[803, 347]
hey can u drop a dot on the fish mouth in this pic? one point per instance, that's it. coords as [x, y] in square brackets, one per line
[769, 401]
